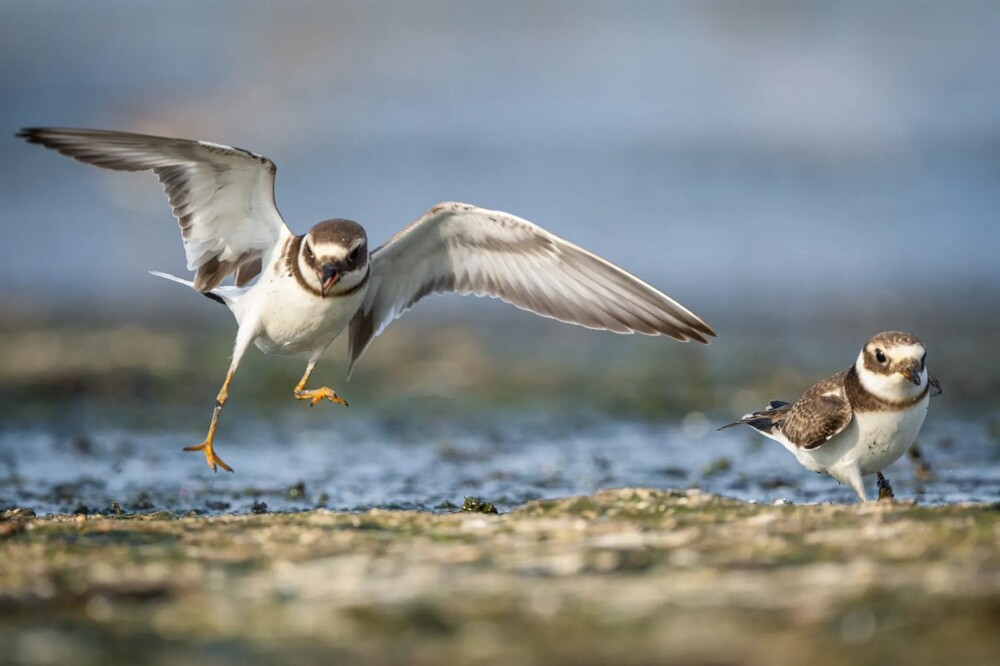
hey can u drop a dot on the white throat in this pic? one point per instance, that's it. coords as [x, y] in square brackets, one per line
[893, 388]
[354, 278]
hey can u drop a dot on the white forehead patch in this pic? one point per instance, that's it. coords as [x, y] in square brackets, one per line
[906, 351]
[335, 250]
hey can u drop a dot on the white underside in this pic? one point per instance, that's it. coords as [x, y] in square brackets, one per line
[280, 317]
[869, 444]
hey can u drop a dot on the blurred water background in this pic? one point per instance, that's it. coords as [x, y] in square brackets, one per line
[800, 174]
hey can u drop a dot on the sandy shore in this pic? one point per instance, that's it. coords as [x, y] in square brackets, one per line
[623, 576]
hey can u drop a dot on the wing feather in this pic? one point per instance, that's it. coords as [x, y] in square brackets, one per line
[470, 250]
[222, 197]
[822, 412]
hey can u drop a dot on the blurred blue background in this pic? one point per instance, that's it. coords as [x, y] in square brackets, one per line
[725, 151]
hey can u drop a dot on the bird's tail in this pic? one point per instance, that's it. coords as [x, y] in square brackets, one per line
[218, 294]
[764, 421]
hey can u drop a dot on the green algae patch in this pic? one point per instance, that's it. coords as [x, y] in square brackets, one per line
[627, 576]
[478, 505]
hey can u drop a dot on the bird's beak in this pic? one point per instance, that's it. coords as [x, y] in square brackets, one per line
[912, 372]
[330, 277]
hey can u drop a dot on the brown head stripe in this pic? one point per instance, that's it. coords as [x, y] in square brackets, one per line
[291, 252]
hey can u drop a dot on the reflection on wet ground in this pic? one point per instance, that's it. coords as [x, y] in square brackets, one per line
[352, 463]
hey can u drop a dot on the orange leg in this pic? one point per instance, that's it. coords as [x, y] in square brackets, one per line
[315, 395]
[215, 461]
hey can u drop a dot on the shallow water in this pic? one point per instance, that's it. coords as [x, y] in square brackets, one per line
[292, 462]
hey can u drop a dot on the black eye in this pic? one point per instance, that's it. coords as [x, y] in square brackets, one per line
[923, 361]
[309, 253]
[879, 356]
[353, 256]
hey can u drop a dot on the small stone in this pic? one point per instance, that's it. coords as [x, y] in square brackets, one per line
[17, 514]
[477, 505]
[258, 508]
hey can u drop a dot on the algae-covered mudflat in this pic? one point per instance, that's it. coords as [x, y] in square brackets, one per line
[340, 538]
[623, 576]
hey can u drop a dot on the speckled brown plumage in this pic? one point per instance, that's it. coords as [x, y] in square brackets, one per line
[825, 409]
[883, 341]
[822, 412]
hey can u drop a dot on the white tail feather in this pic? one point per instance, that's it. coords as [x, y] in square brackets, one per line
[173, 278]
[227, 295]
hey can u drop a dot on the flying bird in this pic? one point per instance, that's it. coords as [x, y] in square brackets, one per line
[295, 294]
[859, 421]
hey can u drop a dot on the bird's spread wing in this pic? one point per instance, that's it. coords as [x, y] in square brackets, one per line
[820, 414]
[469, 250]
[222, 197]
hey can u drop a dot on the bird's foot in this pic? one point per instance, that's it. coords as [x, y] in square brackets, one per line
[318, 395]
[884, 489]
[214, 461]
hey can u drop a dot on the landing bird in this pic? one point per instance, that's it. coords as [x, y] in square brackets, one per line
[296, 294]
[859, 421]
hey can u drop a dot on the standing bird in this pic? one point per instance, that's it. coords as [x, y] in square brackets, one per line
[859, 421]
[295, 294]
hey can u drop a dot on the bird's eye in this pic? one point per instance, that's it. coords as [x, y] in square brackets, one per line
[880, 356]
[309, 253]
[353, 256]
[923, 361]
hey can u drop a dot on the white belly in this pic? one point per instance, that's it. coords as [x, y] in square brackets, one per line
[292, 320]
[883, 437]
[872, 442]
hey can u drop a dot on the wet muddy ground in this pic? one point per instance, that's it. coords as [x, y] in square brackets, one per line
[306, 459]
[347, 542]
[626, 576]
[628, 530]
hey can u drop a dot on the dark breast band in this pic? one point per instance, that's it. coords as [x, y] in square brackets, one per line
[863, 400]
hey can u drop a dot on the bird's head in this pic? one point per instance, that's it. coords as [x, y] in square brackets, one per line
[333, 256]
[893, 366]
